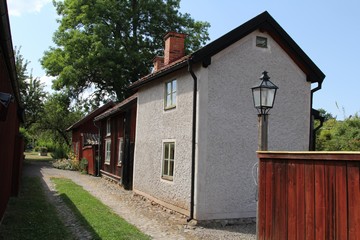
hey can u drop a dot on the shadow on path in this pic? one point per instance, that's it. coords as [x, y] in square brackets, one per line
[80, 228]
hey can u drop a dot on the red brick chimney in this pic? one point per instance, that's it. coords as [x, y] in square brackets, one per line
[174, 47]
[158, 62]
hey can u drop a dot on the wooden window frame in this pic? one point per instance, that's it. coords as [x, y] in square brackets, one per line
[263, 43]
[168, 161]
[121, 151]
[170, 94]
[107, 158]
[108, 127]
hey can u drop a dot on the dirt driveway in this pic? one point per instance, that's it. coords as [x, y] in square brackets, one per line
[150, 218]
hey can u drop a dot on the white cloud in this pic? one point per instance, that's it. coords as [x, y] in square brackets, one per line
[47, 81]
[18, 7]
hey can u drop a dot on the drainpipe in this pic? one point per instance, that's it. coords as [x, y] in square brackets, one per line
[312, 132]
[99, 150]
[193, 144]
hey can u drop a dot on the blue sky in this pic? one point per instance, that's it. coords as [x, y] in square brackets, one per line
[327, 31]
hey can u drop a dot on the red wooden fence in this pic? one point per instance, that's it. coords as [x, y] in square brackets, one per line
[309, 195]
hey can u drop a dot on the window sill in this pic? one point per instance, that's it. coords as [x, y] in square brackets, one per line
[168, 178]
[107, 163]
[170, 107]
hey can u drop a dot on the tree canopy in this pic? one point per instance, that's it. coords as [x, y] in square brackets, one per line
[31, 90]
[339, 135]
[58, 116]
[107, 44]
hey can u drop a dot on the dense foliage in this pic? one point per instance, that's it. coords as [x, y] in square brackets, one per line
[107, 44]
[46, 116]
[31, 90]
[58, 116]
[336, 135]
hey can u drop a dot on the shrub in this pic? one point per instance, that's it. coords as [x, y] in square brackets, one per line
[84, 165]
[70, 163]
[59, 152]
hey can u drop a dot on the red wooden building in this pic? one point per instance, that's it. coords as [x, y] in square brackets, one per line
[117, 141]
[11, 111]
[85, 136]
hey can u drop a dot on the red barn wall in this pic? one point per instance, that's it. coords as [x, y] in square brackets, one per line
[87, 127]
[10, 143]
[89, 153]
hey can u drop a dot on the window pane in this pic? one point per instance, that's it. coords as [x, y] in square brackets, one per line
[168, 88]
[171, 170]
[166, 151]
[172, 151]
[173, 101]
[174, 86]
[168, 100]
[166, 166]
[121, 150]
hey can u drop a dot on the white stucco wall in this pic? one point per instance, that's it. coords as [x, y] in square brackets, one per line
[227, 124]
[154, 125]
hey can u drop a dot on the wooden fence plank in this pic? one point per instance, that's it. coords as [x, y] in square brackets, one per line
[341, 201]
[269, 196]
[329, 200]
[310, 201]
[261, 217]
[320, 212]
[353, 200]
[280, 209]
[291, 200]
[300, 195]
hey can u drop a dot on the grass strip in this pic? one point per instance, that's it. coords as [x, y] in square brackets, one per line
[31, 216]
[34, 156]
[99, 218]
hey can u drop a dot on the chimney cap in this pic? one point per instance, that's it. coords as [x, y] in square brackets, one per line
[174, 34]
[157, 58]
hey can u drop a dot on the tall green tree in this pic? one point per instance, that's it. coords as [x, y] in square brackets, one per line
[336, 135]
[107, 44]
[57, 117]
[31, 90]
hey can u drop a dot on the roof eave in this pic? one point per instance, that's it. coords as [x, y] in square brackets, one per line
[263, 22]
[158, 75]
[116, 109]
[90, 115]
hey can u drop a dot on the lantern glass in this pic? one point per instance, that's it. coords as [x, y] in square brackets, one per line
[264, 94]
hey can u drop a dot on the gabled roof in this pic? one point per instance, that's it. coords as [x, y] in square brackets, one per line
[263, 22]
[91, 115]
[117, 108]
[178, 64]
[7, 50]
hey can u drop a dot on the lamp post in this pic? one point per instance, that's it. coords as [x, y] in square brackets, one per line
[264, 97]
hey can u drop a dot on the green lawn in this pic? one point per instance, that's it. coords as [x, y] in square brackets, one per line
[31, 216]
[99, 218]
[34, 156]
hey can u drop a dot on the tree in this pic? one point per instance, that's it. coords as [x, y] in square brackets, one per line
[340, 135]
[57, 117]
[31, 90]
[107, 44]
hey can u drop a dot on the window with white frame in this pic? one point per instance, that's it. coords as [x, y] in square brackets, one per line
[107, 151]
[121, 150]
[170, 94]
[168, 160]
[108, 127]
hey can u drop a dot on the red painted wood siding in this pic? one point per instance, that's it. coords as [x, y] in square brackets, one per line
[309, 196]
[86, 127]
[11, 143]
[88, 152]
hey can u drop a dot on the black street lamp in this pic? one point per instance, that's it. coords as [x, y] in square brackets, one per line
[264, 97]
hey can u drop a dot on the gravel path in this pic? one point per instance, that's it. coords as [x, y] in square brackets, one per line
[149, 217]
